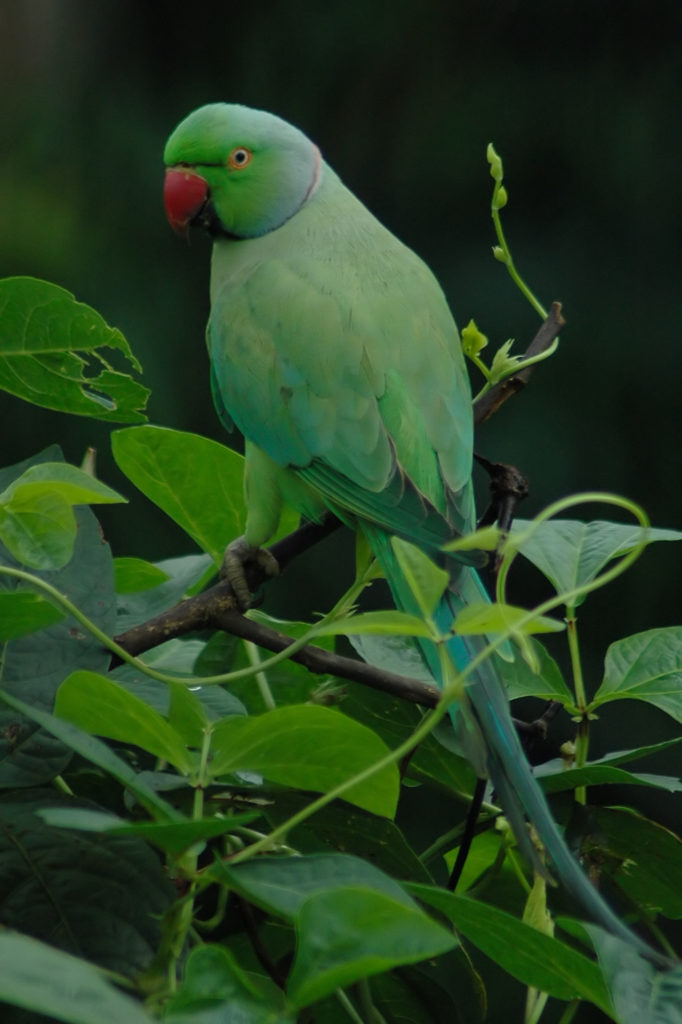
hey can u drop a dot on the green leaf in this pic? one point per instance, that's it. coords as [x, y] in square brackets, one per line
[184, 573]
[645, 666]
[647, 858]
[173, 837]
[197, 482]
[102, 707]
[215, 989]
[637, 753]
[37, 523]
[45, 980]
[350, 933]
[187, 715]
[280, 885]
[486, 539]
[442, 990]
[393, 653]
[23, 612]
[533, 958]
[375, 623]
[308, 747]
[556, 778]
[570, 553]
[482, 618]
[484, 853]
[394, 720]
[75, 486]
[178, 656]
[98, 753]
[425, 579]
[132, 575]
[640, 994]
[547, 682]
[56, 872]
[55, 352]
[39, 529]
[33, 665]
[340, 826]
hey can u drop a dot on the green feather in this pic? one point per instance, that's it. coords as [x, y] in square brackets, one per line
[334, 352]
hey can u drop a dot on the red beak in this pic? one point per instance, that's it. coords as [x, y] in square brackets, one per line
[184, 194]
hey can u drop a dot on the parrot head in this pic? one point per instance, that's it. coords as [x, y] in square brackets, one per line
[237, 172]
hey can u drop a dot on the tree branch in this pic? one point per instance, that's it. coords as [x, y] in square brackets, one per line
[217, 607]
[490, 402]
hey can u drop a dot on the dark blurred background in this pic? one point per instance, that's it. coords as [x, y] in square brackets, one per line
[582, 100]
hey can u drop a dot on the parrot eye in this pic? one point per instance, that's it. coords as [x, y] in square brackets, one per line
[239, 158]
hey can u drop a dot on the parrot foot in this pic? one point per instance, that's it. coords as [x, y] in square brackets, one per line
[239, 554]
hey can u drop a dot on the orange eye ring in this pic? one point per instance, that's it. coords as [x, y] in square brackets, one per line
[239, 158]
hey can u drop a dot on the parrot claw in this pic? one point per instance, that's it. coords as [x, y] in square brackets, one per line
[238, 555]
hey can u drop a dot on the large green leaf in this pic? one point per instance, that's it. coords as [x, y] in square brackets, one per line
[394, 720]
[640, 993]
[177, 656]
[529, 955]
[571, 553]
[346, 934]
[484, 618]
[216, 990]
[645, 666]
[340, 826]
[98, 753]
[47, 981]
[646, 858]
[23, 612]
[172, 836]
[308, 747]
[523, 681]
[280, 885]
[133, 575]
[99, 896]
[381, 623]
[103, 708]
[37, 521]
[197, 482]
[442, 990]
[426, 580]
[555, 777]
[601, 775]
[33, 665]
[184, 573]
[56, 352]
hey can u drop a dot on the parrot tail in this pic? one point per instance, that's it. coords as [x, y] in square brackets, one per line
[486, 735]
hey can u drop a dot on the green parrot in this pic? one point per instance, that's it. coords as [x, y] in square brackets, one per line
[335, 354]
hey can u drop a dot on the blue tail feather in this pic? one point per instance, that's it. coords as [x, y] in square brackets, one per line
[486, 733]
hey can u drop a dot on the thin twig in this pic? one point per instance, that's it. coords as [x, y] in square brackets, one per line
[490, 402]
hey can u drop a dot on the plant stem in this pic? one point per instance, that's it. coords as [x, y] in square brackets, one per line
[253, 654]
[367, 1003]
[348, 1006]
[583, 732]
[570, 1012]
[535, 1004]
[508, 260]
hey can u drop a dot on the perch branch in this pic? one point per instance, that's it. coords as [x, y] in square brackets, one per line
[216, 608]
[490, 402]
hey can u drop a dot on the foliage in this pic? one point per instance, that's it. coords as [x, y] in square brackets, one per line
[170, 850]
